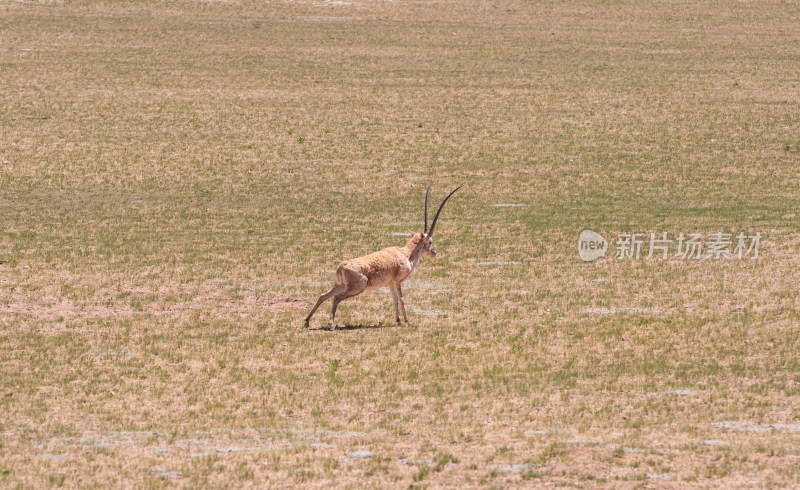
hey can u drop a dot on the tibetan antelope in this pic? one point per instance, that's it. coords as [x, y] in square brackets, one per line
[387, 268]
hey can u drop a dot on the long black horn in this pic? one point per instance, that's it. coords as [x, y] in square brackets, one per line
[433, 225]
[426, 206]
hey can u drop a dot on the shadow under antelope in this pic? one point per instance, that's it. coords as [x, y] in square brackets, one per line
[387, 268]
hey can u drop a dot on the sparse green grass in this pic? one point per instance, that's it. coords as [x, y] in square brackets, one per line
[178, 182]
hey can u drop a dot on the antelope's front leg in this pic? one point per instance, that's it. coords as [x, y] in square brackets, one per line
[395, 298]
[402, 304]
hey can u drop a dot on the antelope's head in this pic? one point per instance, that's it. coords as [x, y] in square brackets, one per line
[428, 249]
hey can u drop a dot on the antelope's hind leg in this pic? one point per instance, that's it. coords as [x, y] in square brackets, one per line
[355, 286]
[335, 289]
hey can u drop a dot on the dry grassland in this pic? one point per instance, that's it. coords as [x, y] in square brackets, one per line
[178, 181]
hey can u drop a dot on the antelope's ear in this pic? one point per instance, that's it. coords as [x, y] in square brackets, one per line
[411, 233]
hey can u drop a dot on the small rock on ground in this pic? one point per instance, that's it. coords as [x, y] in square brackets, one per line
[579, 441]
[170, 474]
[361, 454]
[407, 461]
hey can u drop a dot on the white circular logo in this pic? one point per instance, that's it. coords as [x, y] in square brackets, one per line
[591, 245]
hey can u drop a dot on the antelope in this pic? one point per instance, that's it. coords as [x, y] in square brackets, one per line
[387, 268]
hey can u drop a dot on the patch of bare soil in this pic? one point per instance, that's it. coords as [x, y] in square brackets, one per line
[65, 310]
[285, 304]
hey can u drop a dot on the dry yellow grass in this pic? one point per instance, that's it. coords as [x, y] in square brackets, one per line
[178, 180]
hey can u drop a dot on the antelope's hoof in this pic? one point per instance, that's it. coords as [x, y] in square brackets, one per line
[332, 326]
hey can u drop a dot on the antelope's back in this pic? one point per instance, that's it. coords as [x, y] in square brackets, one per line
[380, 268]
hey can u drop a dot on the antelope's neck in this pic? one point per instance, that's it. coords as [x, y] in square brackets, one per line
[413, 251]
[416, 254]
